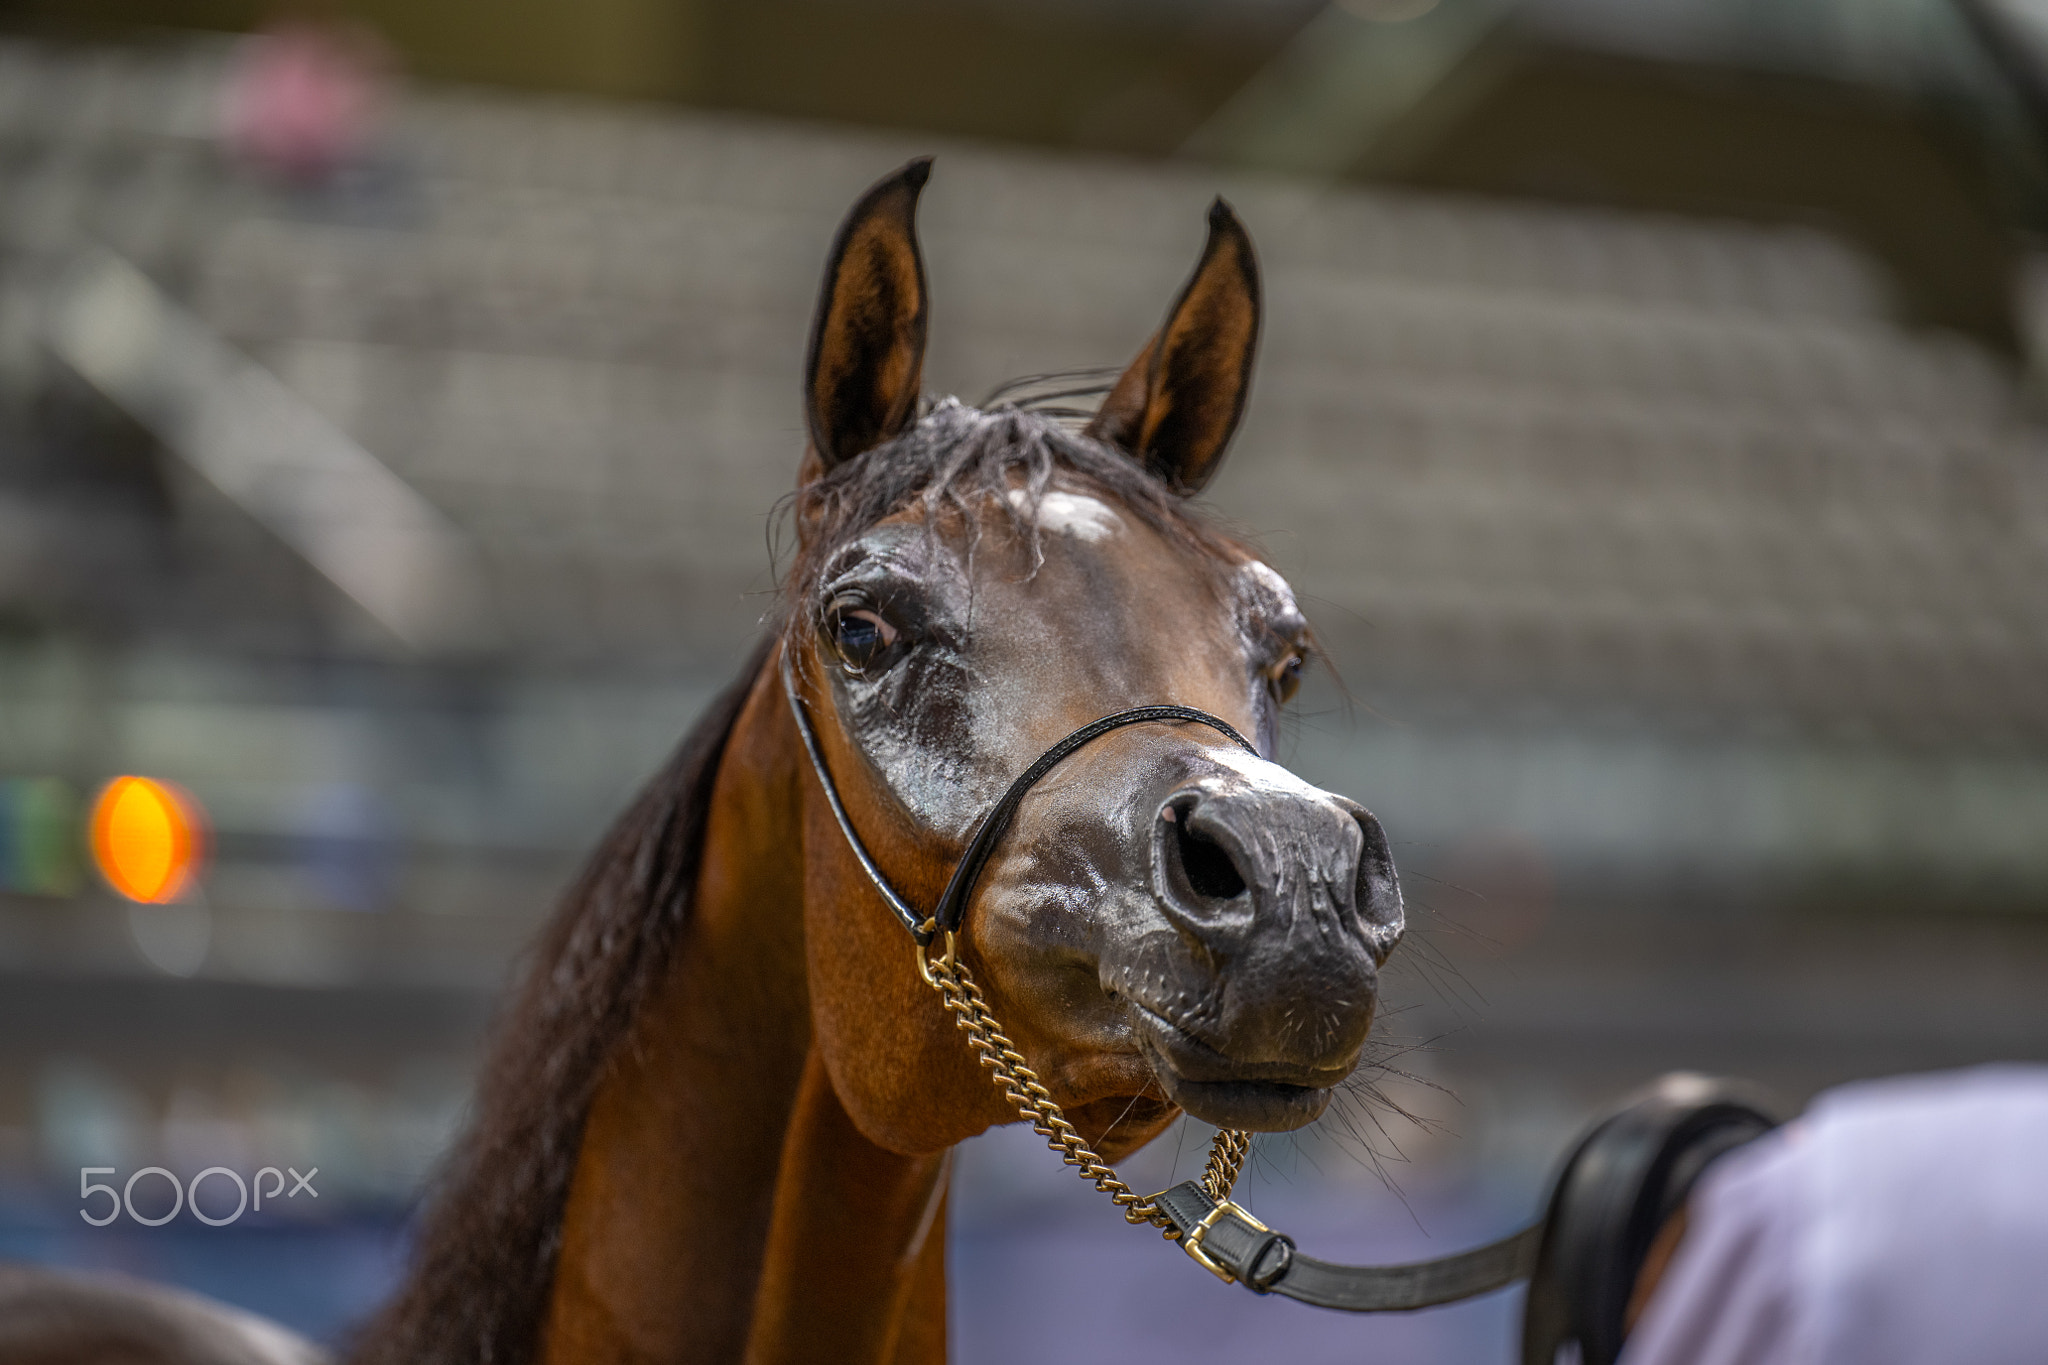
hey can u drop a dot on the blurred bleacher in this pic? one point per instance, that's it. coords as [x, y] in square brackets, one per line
[1690, 603]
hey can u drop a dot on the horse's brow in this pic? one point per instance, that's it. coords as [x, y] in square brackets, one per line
[878, 556]
[1271, 600]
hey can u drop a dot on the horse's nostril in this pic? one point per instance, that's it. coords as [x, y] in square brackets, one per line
[1210, 872]
[1379, 886]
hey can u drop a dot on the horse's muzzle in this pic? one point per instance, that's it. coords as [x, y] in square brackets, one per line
[1284, 903]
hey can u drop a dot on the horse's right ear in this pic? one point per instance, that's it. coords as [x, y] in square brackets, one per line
[866, 362]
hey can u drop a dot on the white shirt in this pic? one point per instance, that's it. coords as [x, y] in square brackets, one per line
[1898, 1222]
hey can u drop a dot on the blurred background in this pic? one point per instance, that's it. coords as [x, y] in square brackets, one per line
[393, 396]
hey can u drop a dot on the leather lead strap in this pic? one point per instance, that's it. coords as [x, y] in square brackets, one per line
[1266, 1262]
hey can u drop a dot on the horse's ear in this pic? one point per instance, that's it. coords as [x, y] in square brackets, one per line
[866, 361]
[1175, 408]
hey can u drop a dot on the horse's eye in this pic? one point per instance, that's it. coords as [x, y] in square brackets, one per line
[1285, 679]
[859, 636]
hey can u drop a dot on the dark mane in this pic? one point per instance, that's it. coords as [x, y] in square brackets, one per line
[485, 1255]
[484, 1260]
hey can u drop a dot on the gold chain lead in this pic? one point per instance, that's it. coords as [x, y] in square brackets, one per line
[1019, 1083]
[1226, 1159]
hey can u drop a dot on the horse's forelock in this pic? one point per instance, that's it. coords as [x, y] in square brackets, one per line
[958, 458]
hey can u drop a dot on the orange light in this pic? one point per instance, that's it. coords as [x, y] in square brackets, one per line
[147, 837]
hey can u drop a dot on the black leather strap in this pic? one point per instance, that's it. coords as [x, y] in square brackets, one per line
[952, 907]
[912, 921]
[1612, 1196]
[1266, 1262]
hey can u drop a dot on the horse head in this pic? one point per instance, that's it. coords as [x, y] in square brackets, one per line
[1170, 922]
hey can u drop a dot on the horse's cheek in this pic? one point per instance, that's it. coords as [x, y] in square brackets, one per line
[905, 1077]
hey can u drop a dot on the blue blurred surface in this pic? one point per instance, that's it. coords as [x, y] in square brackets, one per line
[316, 1276]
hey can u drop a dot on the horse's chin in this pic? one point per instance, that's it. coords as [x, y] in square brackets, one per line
[1255, 1106]
[1263, 1098]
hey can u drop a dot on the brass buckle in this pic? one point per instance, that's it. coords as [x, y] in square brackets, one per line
[1192, 1242]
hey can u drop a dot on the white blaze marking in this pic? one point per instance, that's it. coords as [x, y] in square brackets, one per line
[1261, 772]
[1075, 514]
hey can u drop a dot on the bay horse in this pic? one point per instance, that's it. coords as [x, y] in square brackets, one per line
[716, 1124]
[717, 1127]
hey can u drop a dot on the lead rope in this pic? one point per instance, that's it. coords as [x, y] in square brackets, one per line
[949, 976]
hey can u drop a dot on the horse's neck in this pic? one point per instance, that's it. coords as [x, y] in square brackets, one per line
[724, 1207]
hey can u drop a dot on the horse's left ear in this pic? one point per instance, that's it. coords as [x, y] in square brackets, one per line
[866, 361]
[1175, 408]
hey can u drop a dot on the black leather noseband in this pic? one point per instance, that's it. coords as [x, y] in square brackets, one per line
[989, 831]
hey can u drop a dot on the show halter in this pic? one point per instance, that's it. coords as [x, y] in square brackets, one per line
[1198, 1214]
